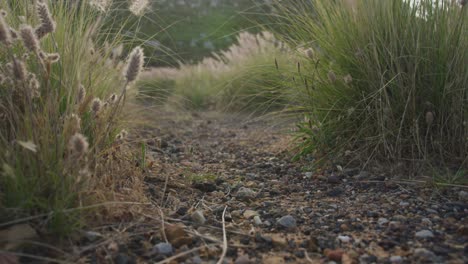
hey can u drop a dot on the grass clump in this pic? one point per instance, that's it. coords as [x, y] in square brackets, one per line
[60, 103]
[241, 78]
[384, 79]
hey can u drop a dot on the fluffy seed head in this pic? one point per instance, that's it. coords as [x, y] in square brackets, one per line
[29, 38]
[34, 86]
[101, 5]
[81, 94]
[47, 23]
[5, 34]
[19, 69]
[75, 122]
[96, 106]
[332, 76]
[53, 57]
[429, 118]
[138, 7]
[112, 98]
[309, 53]
[348, 79]
[78, 144]
[134, 64]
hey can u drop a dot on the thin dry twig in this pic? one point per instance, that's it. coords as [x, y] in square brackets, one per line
[164, 189]
[163, 229]
[181, 254]
[225, 244]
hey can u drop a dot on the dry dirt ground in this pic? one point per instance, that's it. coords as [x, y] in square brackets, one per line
[217, 178]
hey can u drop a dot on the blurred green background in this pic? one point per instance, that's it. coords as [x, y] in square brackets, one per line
[188, 30]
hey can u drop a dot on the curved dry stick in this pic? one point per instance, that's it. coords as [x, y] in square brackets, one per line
[225, 244]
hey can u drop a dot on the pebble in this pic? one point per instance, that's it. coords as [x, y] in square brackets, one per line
[424, 234]
[426, 222]
[333, 179]
[424, 255]
[244, 259]
[163, 249]
[245, 194]
[382, 221]
[123, 259]
[250, 213]
[463, 196]
[257, 220]
[92, 236]
[396, 259]
[198, 217]
[287, 221]
[404, 204]
[344, 239]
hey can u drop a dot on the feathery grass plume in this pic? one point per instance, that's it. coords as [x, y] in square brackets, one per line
[19, 69]
[14, 35]
[348, 79]
[53, 57]
[134, 64]
[5, 34]
[117, 52]
[81, 94]
[112, 98]
[78, 145]
[34, 86]
[75, 123]
[309, 53]
[96, 106]
[138, 7]
[47, 23]
[331, 76]
[122, 135]
[29, 38]
[101, 5]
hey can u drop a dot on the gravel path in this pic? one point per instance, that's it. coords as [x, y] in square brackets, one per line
[283, 212]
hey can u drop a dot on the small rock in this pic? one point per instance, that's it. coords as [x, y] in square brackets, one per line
[198, 217]
[250, 213]
[287, 221]
[396, 259]
[333, 179]
[244, 259]
[197, 260]
[308, 175]
[382, 221]
[123, 259]
[463, 196]
[373, 214]
[163, 249]
[424, 234]
[334, 254]
[92, 236]
[344, 239]
[335, 192]
[423, 254]
[426, 222]
[257, 220]
[177, 235]
[463, 230]
[404, 204]
[245, 194]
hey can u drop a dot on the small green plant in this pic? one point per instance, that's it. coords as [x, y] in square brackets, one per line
[60, 102]
[383, 80]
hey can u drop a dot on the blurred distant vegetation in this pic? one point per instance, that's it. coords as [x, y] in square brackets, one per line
[188, 31]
